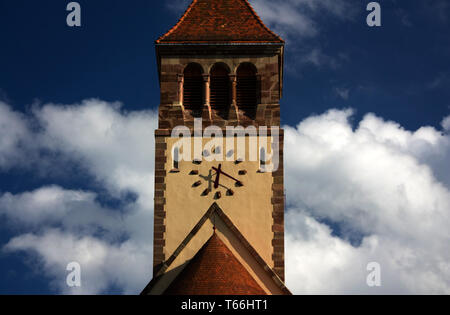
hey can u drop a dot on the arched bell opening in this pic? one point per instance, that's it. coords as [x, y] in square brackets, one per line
[193, 89]
[220, 90]
[247, 91]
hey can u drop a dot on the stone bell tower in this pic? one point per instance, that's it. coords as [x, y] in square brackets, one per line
[219, 210]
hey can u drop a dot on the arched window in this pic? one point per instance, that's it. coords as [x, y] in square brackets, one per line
[247, 90]
[220, 90]
[262, 160]
[262, 157]
[193, 89]
[176, 158]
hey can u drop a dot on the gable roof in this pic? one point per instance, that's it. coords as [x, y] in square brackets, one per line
[215, 209]
[214, 270]
[219, 21]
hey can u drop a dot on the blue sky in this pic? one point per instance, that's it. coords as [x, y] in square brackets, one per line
[64, 136]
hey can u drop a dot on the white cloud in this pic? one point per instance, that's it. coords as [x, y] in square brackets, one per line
[285, 19]
[14, 134]
[294, 19]
[3, 96]
[108, 246]
[439, 81]
[446, 123]
[300, 23]
[178, 6]
[103, 264]
[374, 182]
[44, 204]
[75, 210]
[113, 147]
[343, 93]
[116, 147]
[317, 58]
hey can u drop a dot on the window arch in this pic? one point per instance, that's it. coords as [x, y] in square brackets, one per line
[176, 158]
[193, 89]
[220, 90]
[262, 157]
[247, 89]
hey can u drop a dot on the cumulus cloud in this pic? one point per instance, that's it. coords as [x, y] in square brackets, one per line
[103, 265]
[75, 210]
[14, 135]
[363, 195]
[112, 147]
[116, 147]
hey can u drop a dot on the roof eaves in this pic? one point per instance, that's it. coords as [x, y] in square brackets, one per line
[261, 43]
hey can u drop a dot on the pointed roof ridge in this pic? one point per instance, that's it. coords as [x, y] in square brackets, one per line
[270, 37]
[230, 225]
[214, 270]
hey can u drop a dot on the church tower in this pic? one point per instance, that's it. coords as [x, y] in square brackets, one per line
[219, 179]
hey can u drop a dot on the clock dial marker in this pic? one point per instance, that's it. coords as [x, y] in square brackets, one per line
[197, 183]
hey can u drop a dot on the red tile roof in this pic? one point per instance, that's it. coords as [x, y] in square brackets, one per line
[214, 271]
[220, 21]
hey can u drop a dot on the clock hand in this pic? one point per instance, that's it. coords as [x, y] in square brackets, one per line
[219, 171]
[225, 174]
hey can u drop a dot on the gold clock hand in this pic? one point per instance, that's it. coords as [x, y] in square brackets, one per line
[225, 174]
[219, 171]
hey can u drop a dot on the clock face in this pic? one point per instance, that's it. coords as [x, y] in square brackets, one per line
[218, 182]
[241, 188]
